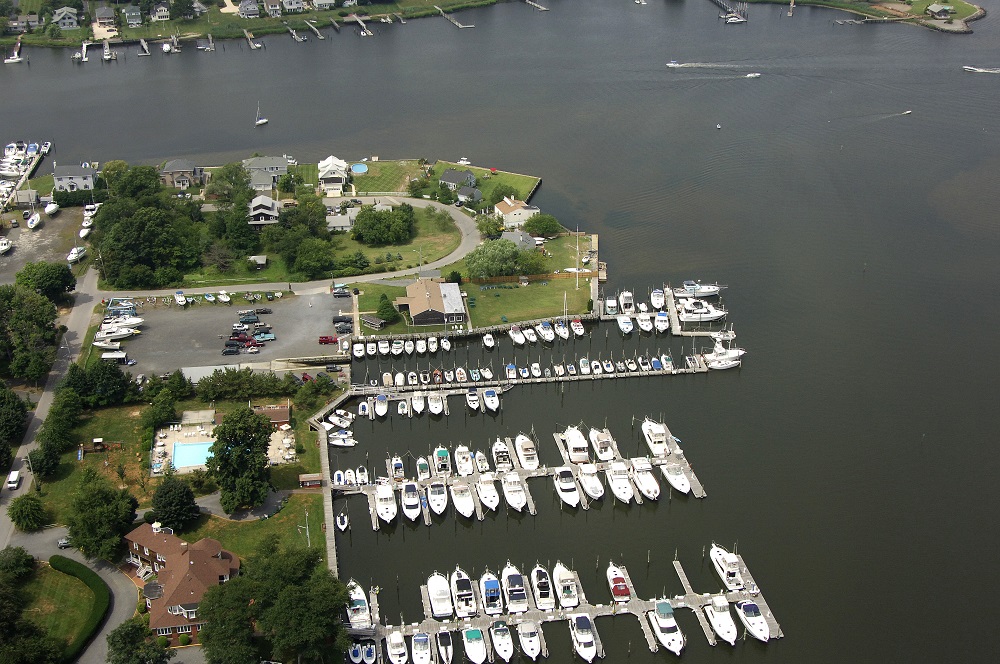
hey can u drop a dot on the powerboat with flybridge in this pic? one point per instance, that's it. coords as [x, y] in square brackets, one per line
[604, 444]
[411, 501]
[616, 582]
[395, 646]
[462, 594]
[619, 482]
[581, 629]
[567, 592]
[697, 289]
[385, 500]
[501, 457]
[727, 566]
[358, 612]
[439, 593]
[655, 434]
[489, 590]
[576, 445]
[541, 586]
[656, 298]
[442, 461]
[625, 324]
[664, 625]
[464, 464]
[432, 344]
[693, 310]
[526, 452]
[721, 619]
[645, 322]
[590, 482]
[643, 478]
[513, 491]
[626, 303]
[515, 594]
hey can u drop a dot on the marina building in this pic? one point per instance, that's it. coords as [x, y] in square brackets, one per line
[432, 302]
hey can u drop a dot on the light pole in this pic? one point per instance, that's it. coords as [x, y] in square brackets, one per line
[420, 252]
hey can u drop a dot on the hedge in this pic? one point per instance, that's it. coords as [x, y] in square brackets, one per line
[102, 600]
[80, 197]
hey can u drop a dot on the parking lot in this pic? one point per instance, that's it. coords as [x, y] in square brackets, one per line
[49, 242]
[173, 338]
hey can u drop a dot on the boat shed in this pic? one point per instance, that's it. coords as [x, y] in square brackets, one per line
[307, 480]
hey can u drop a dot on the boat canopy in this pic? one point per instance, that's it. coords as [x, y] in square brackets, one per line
[750, 609]
[582, 623]
[664, 610]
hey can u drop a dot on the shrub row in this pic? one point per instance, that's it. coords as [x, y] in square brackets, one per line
[102, 600]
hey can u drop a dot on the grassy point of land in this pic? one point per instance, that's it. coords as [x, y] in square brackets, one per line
[387, 175]
[243, 537]
[57, 602]
[488, 181]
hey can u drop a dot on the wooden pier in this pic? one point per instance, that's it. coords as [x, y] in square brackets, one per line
[536, 6]
[336, 26]
[249, 35]
[295, 35]
[693, 601]
[365, 32]
[312, 26]
[143, 47]
[452, 19]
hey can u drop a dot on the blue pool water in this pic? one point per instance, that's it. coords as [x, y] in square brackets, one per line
[191, 454]
[358, 169]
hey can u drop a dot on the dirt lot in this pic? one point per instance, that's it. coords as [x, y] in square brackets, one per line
[50, 242]
[193, 337]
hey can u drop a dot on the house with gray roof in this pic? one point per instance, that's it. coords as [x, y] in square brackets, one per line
[73, 178]
[469, 194]
[249, 9]
[454, 179]
[523, 241]
[160, 12]
[265, 171]
[23, 23]
[65, 18]
[939, 11]
[132, 16]
[182, 173]
[105, 17]
[263, 212]
[273, 8]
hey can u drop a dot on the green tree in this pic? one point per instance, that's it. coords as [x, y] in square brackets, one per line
[100, 515]
[55, 32]
[495, 258]
[53, 280]
[386, 311]
[455, 277]
[502, 191]
[16, 564]
[27, 512]
[239, 459]
[181, 9]
[379, 228]
[544, 225]
[289, 182]
[27, 331]
[112, 173]
[531, 262]
[136, 182]
[314, 258]
[44, 461]
[228, 610]
[173, 503]
[132, 643]
[489, 225]
[13, 412]
[230, 184]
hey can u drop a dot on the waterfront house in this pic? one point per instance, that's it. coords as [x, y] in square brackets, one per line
[182, 173]
[197, 9]
[332, 176]
[160, 12]
[325, 4]
[267, 170]
[939, 11]
[132, 16]
[73, 178]
[514, 212]
[454, 179]
[432, 302]
[279, 414]
[293, 6]
[23, 23]
[249, 9]
[273, 8]
[264, 211]
[184, 572]
[469, 194]
[105, 17]
[523, 241]
[65, 18]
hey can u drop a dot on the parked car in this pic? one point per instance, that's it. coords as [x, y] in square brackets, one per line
[253, 350]
[322, 375]
[234, 343]
[26, 214]
[298, 381]
[356, 201]
[64, 543]
[269, 296]
[333, 368]
[264, 310]
[264, 336]
[341, 292]
[343, 328]
[230, 351]
[357, 291]
[250, 343]
[327, 340]
[240, 327]
[246, 320]
[242, 336]
[343, 319]
[306, 376]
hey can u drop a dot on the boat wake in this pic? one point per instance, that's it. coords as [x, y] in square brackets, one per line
[673, 64]
[981, 70]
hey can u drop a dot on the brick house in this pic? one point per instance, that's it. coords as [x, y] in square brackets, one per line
[182, 173]
[184, 573]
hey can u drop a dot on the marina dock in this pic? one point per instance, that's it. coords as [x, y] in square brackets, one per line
[452, 19]
[365, 32]
[312, 26]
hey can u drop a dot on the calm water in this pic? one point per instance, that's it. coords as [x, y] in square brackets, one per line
[849, 457]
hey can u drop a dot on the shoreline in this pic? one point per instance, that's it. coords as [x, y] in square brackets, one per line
[883, 13]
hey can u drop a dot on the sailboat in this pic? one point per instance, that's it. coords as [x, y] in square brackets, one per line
[261, 120]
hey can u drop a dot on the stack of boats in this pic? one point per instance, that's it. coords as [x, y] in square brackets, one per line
[115, 328]
[338, 429]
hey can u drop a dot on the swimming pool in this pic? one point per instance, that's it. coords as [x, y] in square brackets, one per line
[191, 454]
[358, 169]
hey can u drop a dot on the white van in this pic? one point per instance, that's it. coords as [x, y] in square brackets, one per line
[14, 479]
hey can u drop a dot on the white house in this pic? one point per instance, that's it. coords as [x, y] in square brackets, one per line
[249, 9]
[293, 6]
[514, 212]
[65, 18]
[273, 8]
[264, 211]
[325, 4]
[333, 176]
[73, 178]
[160, 12]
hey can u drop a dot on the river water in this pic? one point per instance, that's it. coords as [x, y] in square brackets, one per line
[850, 456]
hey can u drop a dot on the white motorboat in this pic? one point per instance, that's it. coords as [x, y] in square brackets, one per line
[655, 434]
[727, 566]
[51, 208]
[619, 482]
[581, 629]
[576, 445]
[383, 347]
[417, 402]
[541, 587]
[501, 456]
[590, 482]
[662, 322]
[371, 349]
[489, 590]
[626, 303]
[435, 404]
[489, 341]
[445, 648]
[387, 379]
[398, 469]
[464, 464]
[462, 594]
[545, 331]
[445, 344]
[439, 593]
[340, 437]
[577, 326]
[432, 344]
[491, 399]
[355, 653]
[643, 363]
[664, 625]
[721, 619]
[180, 299]
[667, 362]
[562, 330]
[349, 477]
[411, 501]
[513, 491]
[722, 365]
[559, 370]
[437, 497]
[675, 477]
[395, 644]
[465, 504]
[526, 452]
[108, 345]
[423, 469]
[755, 74]
[503, 642]
[449, 376]
[411, 378]
[424, 377]
[223, 297]
[604, 444]
[361, 475]
[530, 335]
[693, 310]
[421, 346]
[657, 299]
[358, 350]
[584, 366]
[358, 612]
[409, 346]
[487, 492]
[643, 478]
[472, 399]
[510, 371]
[338, 421]
[34, 221]
[115, 333]
[482, 463]
[487, 374]
[616, 583]
[421, 648]
[5, 245]
[527, 636]
[475, 645]
[645, 322]
[381, 405]
[122, 321]
[385, 500]
[515, 594]
[723, 352]
[536, 370]
[566, 486]
[749, 614]
[697, 289]
[567, 592]
[397, 347]
[625, 324]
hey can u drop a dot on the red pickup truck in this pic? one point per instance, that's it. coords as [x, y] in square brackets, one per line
[328, 340]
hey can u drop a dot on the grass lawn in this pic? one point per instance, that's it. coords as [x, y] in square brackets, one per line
[435, 237]
[309, 173]
[539, 299]
[487, 181]
[962, 9]
[387, 175]
[43, 185]
[57, 602]
[243, 537]
[242, 274]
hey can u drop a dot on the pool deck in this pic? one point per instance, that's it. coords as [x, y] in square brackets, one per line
[280, 449]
